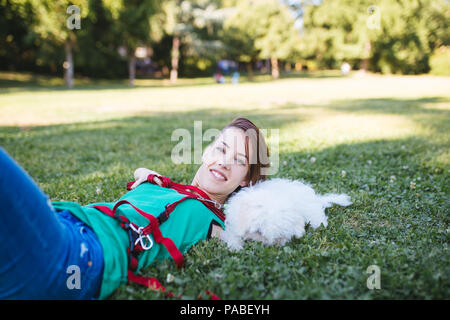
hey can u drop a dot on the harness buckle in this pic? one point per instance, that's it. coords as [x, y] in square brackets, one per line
[216, 204]
[143, 239]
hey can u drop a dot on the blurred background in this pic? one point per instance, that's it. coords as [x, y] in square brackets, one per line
[117, 39]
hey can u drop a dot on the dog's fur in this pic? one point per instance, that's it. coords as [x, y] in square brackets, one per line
[274, 211]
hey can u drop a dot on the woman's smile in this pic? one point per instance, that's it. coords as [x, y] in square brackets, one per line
[219, 176]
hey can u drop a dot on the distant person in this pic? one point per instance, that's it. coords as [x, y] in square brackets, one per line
[219, 78]
[235, 77]
[345, 68]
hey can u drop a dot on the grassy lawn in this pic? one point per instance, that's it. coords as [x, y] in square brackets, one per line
[384, 140]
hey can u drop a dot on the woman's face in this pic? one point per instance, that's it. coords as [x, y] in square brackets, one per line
[224, 164]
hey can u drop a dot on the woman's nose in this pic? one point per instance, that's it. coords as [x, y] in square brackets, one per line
[224, 162]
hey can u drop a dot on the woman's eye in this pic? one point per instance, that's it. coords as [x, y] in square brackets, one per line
[221, 149]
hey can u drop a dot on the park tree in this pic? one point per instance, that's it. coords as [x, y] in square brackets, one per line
[205, 43]
[132, 24]
[17, 48]
[410, 31]
[389, 36]
[261, 29]
[239, 35]
[57, 21]
[276, 35]
[97, 54]
[177, 23]
[194, 24]
[337, 31]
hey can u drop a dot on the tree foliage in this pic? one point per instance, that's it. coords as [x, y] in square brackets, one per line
[190, 36]
[396, 36]
[260, 29]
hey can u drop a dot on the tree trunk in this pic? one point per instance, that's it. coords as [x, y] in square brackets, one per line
[175, 56]
[275, 68]
[132, 69]
[250, 70]
[366, 57]
[68, 64]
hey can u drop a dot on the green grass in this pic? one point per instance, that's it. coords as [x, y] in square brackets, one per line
[382, 140]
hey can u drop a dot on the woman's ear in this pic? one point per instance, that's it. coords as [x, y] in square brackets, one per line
[244, 183]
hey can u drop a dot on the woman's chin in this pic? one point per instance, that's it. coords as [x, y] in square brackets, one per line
[216, 187]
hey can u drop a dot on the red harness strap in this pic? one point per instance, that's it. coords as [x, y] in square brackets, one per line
[136, 234]
[149, 282]
[153, 228]
[184, 189]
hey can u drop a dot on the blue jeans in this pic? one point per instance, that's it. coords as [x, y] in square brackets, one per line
[44, 254]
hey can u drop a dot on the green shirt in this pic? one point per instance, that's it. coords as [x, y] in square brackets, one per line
[187, 224]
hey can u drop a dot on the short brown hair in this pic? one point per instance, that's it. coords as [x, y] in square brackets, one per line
[260, 156]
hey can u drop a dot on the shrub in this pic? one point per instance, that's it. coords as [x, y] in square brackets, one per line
[440, 62]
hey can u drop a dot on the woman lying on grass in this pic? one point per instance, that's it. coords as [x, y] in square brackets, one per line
[63, 250]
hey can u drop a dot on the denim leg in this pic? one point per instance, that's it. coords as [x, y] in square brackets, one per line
[37, 247]
[81, 270]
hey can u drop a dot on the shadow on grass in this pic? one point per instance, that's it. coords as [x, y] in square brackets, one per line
[87, 147]
[393, 106]
[382, 105]
[422, 110]
[148, 138]
[35, 83]
[10, 86]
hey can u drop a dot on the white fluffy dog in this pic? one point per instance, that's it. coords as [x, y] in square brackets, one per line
[274, 211]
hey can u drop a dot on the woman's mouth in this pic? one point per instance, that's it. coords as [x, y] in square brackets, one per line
[218, 175]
